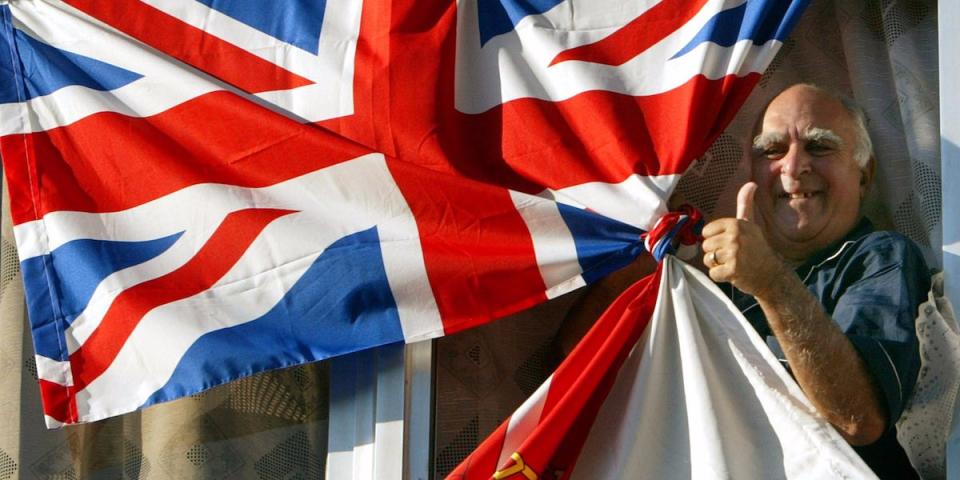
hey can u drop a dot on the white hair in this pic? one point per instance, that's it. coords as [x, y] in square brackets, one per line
[863, 150]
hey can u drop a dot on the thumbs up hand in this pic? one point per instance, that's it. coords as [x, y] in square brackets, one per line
[736, 251]
[745, 201]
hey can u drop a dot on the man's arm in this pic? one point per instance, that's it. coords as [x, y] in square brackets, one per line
[826, 365]
[824, 362]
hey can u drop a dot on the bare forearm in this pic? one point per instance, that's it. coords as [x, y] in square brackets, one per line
[824, 362]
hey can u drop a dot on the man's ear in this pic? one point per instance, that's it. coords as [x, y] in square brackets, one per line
[866, 176]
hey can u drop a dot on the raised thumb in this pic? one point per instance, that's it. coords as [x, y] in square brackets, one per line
[745, 201]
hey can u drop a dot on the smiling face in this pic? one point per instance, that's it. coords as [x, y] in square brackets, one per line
[810, 183]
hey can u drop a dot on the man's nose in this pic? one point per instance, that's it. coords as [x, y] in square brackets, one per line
[795, 163]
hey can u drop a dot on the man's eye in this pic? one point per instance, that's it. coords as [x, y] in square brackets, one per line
[817, 147]
[773, 152]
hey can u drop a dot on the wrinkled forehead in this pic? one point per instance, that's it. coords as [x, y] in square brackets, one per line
[805, 114]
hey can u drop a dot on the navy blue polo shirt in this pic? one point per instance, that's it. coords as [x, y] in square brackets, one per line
[871, 283]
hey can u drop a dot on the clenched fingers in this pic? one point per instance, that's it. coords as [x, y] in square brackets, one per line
[723, 244]
[719, 226]
[723, 272]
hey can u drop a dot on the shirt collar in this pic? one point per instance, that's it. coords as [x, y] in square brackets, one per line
[863, 227]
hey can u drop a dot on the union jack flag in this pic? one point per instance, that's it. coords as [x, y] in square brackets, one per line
[205, 189]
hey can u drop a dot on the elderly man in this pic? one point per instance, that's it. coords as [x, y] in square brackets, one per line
[834, 299]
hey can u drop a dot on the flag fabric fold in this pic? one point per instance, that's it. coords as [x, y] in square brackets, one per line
[544, 436]
[693, 393]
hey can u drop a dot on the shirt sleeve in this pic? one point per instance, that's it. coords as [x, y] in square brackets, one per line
[877, 311]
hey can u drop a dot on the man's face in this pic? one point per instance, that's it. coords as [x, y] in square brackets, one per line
[810, 185]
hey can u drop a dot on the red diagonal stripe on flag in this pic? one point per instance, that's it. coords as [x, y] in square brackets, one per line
[75, 167]
[637, 36]
[192, 46]
[59, 401]
[578, 389]
[224, 248]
